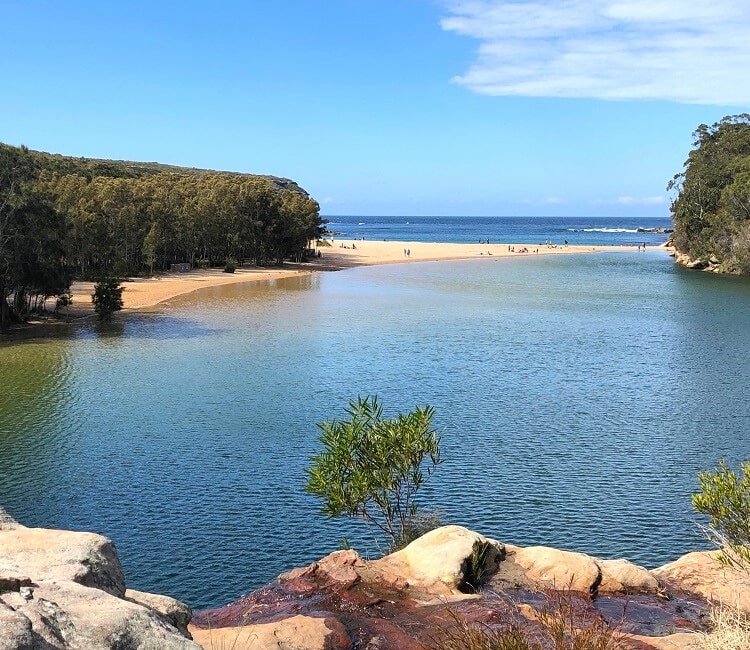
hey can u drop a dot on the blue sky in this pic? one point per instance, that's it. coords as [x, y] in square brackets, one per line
[398, 107]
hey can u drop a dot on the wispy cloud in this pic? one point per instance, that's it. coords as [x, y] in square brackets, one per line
[689, 51]
[646, 200]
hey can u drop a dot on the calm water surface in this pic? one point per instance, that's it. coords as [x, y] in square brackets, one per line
[579, 396]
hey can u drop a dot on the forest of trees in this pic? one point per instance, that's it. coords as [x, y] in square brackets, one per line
[63, 218]
[711, 212]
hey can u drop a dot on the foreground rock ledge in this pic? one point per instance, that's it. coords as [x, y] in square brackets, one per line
[61, 589]
[409, 600]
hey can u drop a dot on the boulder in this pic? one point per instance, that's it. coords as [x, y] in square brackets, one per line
[68, 615]
[440, 562]
[177, 613]
[61, 555]
[559, 569]
[337, 568]
[63, 589]
[622, 576]
[700, 572]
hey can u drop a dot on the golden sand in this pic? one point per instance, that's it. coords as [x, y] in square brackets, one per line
[143, 293]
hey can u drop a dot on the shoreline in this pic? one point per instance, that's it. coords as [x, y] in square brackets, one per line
[144, 294]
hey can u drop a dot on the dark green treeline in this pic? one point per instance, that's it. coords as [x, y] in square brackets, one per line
[64, 217]
[711, 212]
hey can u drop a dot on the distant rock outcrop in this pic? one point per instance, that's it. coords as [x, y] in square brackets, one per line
[62, 589]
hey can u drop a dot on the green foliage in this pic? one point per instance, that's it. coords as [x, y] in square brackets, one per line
[711, 212]
[32, 257]
[107, 298]
[371, 467]
[725, 497]
[121, 218]
[100, 218]
[475, 573]
[230, 266]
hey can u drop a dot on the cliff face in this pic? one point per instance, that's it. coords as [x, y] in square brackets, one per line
[62, 589]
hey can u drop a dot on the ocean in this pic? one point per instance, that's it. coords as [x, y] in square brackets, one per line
[589, 231]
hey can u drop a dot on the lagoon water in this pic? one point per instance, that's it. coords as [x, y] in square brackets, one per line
[578, 397]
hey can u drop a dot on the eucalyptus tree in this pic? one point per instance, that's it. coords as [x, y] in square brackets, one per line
[32, 258]
[712, 208]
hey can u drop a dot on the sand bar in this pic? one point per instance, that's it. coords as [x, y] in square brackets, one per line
[144, 293]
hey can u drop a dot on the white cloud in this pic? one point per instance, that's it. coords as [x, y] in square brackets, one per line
[690, 51]
[647, 200]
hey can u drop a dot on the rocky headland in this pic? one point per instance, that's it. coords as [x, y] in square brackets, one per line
[61, 589]
[710, 263]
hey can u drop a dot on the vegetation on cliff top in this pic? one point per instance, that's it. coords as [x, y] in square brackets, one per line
[711, 212]
[64, 217]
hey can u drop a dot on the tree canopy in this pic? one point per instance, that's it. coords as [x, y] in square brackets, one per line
[62, 217]
[711, 212]
[32, 257]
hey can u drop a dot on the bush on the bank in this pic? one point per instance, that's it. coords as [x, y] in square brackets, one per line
[230, 266]
[107, 298]
[725, 497]
[371, 467]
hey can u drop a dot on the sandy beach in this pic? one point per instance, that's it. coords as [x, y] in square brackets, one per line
[145, 293]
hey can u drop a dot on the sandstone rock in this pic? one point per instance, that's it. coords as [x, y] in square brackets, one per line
[621, 576]
[559, 569]
[439, 561]
[85, 558]
[295, 633]
[72, 597]
[177, 613]
[701, 573]
[15, 630]
[68, 615]
[338, 570]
